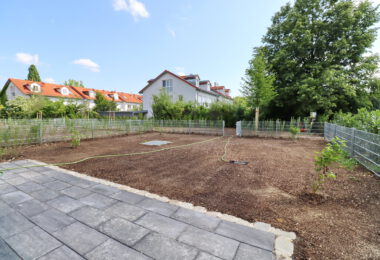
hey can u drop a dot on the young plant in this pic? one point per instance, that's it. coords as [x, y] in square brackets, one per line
[294, 131]
[75, 138]
[332, 155]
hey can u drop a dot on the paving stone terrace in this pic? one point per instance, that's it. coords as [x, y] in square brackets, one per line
[46, 213]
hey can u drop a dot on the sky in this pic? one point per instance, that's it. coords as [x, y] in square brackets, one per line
[121, 44]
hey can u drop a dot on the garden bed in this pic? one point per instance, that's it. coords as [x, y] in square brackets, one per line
[273, 188]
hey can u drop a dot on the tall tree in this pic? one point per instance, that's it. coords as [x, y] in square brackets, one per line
[33, 74]
[258, 84]
[73, 82]
[102, 104]
[318, 52]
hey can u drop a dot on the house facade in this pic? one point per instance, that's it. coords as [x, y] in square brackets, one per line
[69, 94]
[186, 88]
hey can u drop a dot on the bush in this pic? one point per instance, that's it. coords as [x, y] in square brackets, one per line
[332, 154]
[294, 131]
[75, 138]
[364, 120]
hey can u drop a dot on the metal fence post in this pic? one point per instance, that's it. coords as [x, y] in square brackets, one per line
[223, 125]
[40, 133]
[334, 130]
[352, 148]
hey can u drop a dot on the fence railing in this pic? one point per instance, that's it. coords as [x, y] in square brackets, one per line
[277, 128]
[20, 131]
[363, 146]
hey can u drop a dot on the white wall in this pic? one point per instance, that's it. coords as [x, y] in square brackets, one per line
[13, 92]
[204, 98]
[179, 88]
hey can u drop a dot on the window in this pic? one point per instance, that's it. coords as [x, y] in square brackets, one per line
[92, 93]
[168, 85]
[180, 98]
[64, 91]
[35, 87]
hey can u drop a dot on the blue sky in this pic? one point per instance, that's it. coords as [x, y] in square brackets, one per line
[120, 44]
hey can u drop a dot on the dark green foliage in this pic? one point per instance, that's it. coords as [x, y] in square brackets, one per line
[73, 82]
[33, 74]
[317, 50]
[102, 104]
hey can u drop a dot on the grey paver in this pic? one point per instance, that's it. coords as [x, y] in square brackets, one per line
[65, 203]
[8, 175]
[161, 224]
[104, 189]
[44, 195]
[129, 197]
[61, 253]
[158, 206]
[113, 250]
[124, 210]
[249, 252]
[43, 179]
[160, 247]
[6, 252]
[124, 231]
[12, 224]
[17, 180]
[80, 237]
[40, 169]
[15, 197]
[31, 207]
[52, 220]
[97, 200]
[197, 219]
[76, 192]
[57, 185]
[207, 256]
[33, 243]
[5, 209]
[30, 174]
[30, 186]
[90, 216]
[6, 188]
[247, 235]
[212, 243]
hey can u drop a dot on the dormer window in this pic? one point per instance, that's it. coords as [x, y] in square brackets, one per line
[34, 87]
[92, 93]
[65, 91]
[116, 96]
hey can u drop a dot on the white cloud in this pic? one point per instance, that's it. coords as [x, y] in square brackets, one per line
[49, 80]
[172, 32]
[88, 64]
[180, 71]
[27, 58]
[134, 7]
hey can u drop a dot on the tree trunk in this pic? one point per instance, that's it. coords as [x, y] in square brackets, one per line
[257, 119]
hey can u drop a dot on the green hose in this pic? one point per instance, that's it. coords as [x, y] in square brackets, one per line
[112, 155]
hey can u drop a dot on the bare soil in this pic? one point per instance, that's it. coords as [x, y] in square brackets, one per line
[340, 223]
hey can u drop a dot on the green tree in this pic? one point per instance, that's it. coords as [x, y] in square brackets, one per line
[102, 104]
[33, 74]
[73, 82]
[318, 52]
[258, 84]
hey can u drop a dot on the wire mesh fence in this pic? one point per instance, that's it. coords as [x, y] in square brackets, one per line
[363, 146]
[32, 131]
[278, 128]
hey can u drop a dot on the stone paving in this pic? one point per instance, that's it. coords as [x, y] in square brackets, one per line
[46, 213]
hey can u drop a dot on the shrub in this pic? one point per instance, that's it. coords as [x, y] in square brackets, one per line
[75, 138]
[364, 120]
[294, 131]
[332, 154]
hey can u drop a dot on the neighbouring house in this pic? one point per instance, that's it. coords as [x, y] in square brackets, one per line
[70, 94]
[186, 88]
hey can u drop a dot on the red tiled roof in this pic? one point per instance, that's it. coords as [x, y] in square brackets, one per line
[47, 89]
[52, 90]
[217, 87]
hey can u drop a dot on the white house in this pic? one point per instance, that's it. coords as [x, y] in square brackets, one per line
[186, 88]
[70, 94]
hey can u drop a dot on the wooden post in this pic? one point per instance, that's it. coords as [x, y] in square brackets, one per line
[257, 118]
